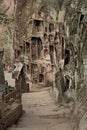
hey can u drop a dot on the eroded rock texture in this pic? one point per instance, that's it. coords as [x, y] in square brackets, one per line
[67, 48]
[75, 55]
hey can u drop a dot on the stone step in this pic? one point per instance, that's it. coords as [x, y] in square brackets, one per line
[40, 128]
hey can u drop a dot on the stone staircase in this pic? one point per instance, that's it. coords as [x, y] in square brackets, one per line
[41, 113]
[28, 128]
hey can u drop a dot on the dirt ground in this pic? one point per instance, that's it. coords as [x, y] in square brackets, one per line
[41, 112]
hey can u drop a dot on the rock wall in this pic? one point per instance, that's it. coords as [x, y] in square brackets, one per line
[7, 28]
[70, 55]
[74, 29]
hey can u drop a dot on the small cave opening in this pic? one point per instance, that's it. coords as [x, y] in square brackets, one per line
[37, 22]
[35, 81]
[39, 47]
[31, 22]
[51, 27]
[56, 35]
[33, 40]
[21, 48]
[81, 17]
[28, 69]
[38, 25]
[34, 68]
[67, 57]
[63, 42]
[18, 53]
[66, 86]
[72, 48]
[51, 48]
[51, 38]
[42, 69]
[27, 46]
[34, 48]
[45, 29]
[51, 52]
[46, 52]
[45, 36]
[41, 78]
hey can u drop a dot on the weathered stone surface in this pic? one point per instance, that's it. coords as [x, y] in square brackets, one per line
[68, 49]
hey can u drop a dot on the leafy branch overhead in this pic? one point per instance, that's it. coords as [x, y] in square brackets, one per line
[5, 19]
[3, 16]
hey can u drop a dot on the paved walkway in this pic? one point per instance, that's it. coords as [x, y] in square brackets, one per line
[41, 113]
[8, 77]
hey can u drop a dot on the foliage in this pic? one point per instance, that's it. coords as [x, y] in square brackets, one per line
[6, 43]
[6, 38]
[1, 1]
[4, 19]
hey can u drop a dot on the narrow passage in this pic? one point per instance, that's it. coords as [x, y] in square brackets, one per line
[42, 113]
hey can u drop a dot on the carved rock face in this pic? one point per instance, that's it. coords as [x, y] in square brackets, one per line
[2, 77]
[1, 54]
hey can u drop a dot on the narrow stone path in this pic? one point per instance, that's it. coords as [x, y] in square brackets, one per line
[8, 77]
[41, 113]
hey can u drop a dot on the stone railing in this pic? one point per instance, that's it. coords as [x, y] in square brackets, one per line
[10, 109]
